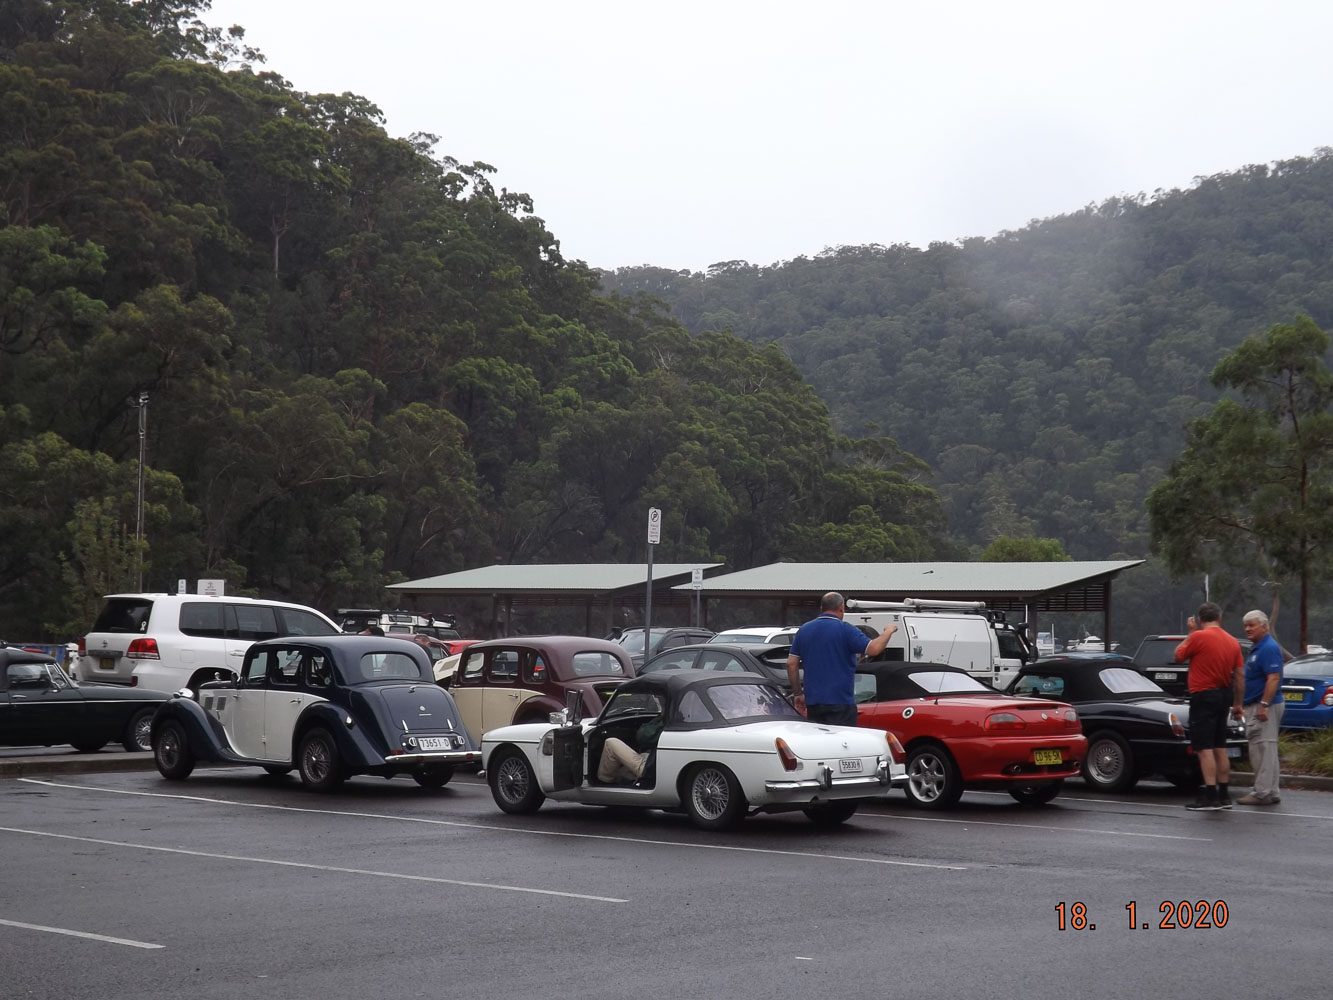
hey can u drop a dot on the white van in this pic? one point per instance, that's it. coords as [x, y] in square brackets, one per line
[164, 642]
[960, 633]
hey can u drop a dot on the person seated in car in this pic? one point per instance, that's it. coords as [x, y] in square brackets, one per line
[621, 762]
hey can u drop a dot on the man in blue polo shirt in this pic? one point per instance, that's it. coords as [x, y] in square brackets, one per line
[1261, 701]
[828, 648]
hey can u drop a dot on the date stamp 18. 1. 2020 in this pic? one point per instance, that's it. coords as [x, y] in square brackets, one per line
[1199, 914]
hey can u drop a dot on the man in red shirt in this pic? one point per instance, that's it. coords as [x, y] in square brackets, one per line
[1216, 680]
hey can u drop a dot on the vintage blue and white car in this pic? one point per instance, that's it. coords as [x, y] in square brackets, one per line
[719, 746]
[328, 705]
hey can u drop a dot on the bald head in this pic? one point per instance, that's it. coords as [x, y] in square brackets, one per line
[831, 601]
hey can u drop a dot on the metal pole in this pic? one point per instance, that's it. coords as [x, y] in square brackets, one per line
[138, 518]
[648, 604]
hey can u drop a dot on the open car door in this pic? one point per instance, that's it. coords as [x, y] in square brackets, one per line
[567, 765]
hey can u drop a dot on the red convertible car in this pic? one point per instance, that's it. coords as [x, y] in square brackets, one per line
[959, 734]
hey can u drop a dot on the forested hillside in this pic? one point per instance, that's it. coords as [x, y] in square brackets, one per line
[1045, 375]
[361, 361]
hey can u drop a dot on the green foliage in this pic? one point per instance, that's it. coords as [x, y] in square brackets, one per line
[1005, 549]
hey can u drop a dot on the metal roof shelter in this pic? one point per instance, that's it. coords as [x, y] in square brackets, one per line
[613, 585]
[1022, 589]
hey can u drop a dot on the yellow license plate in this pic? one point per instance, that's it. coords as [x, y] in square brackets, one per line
[1293, 696]
[1047, 757]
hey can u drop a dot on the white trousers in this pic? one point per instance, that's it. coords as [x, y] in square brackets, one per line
[1263, 747]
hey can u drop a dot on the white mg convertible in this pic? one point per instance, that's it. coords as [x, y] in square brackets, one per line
[729, 744]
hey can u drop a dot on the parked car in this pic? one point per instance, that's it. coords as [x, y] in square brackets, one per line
[769, 660]
[526, 678]
[406, 623]
[760, 634]
[1307, 688]
[446, 668]
[329, 706]
[168, 641]
[1156, 659]
[959, 733]
[632, 639]
[41, 706]
[730, 745]
[1134, 728]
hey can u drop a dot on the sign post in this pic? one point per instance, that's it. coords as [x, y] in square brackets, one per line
[654, 536]
[697, 582]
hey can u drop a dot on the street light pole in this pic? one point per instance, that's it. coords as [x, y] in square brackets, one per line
[138, 518]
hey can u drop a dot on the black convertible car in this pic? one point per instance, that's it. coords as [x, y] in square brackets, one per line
[328, 706]
[41, 706]
[1134, 728]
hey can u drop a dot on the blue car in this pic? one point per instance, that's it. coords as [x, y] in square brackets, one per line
[1307, 688]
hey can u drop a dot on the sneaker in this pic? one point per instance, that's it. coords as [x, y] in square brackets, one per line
[1205, 802]
[1255, 800]
[1225, 801]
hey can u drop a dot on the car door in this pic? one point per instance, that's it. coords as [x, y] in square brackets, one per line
[287, 696]
[41, 711]
[247, 624]
[240, 710]
[468, 689]
[503, 691]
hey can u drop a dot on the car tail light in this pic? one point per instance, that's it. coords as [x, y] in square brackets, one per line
[789, 761]
[134, 681]
[896, 748]
[1071, 719]
[1004, 720]
[143, 649]
[1328, 696]
[1177, 726]
[83, 646]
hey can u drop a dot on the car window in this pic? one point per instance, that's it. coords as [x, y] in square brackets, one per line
[504, 666]
[737, 637]
[692, 710]
[256, 671]
[1302, 667]
[123, 614]
[387, 667]
[595, 664]
[710, 660]
[1122, 680]
[255, 622]
[750, 701]
[283, 667]
[671, 661]
[942, 682]
[1031, 684]
[204, 619]
[297, 622]
[27, 676]
[633, 703]
[473, 661]
[318, 671]
[535, 670]
[863, 688]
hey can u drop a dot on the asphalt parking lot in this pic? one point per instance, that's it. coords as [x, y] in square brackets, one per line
[236, 884]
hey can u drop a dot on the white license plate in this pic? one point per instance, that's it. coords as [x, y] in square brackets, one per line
[849, 764]
[1233, 751]
[1170, 675]
[435, 743]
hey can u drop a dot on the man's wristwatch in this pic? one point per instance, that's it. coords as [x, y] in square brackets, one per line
[1265, 704]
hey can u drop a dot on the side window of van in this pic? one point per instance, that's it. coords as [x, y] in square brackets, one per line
[255, 622]
[296, 622]
[203, 619]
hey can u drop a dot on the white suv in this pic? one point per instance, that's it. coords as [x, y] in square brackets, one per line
[168, 641]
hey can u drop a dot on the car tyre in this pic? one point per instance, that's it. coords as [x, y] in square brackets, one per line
[1037, 794]
[87, 746]
[277, 770]
[713, 797]
[933, 780]
[1109, 765]
[433, 776]
[171, 752]
[514, 783]
[830, 814]
[139, 731]
[321, 769]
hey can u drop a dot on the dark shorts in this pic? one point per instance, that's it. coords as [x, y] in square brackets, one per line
[832, 715]
[1209, 712]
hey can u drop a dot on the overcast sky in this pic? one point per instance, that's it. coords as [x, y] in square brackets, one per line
[681, 134]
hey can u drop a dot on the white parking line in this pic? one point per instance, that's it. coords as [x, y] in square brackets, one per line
[310, 867]
[500, 829]
[81, 934]
[1035, 826]
[1179, 807]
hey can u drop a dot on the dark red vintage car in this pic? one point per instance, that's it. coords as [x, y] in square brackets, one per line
[959, 734]
[525, 678]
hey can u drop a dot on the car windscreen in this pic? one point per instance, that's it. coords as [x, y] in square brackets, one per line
[750, 701]
[948, 682]
[123, 614]
[1157, 652]
[1301, 667]
[625, 703]
[388, 666]
[755, 637]
[592, 663]
[1122, 680]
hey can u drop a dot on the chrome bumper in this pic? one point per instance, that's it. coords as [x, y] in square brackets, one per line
[824, 780]
[435, 757]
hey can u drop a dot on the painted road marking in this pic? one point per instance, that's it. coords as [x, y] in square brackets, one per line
[310, 867]
[81, 934]
[501, 829]
[1033, 826]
